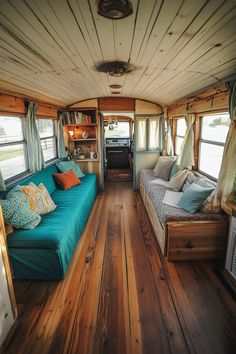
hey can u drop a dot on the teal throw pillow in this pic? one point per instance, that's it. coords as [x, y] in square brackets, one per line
[17, 212]
[64, 166]
[193, 197]
[174, 169]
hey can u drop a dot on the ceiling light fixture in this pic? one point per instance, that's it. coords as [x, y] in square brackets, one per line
[115, 9]
[115, 86]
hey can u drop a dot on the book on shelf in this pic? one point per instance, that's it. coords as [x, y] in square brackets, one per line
[75, 118]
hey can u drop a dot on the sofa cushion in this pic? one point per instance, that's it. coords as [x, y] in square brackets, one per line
[174, 169]
[163, 167]
[177, 181]
[193, 197]
[64, 166]
[17, 212]
[65, 224]
[67, 179]
[192, 177]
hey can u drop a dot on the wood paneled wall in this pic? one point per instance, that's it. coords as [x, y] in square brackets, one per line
[13, 104]
[210, 100]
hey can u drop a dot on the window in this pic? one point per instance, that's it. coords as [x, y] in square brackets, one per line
[47, 137]
[148, 134]
[214, 129]
[13, 155]
[117, 130]
[180, 133]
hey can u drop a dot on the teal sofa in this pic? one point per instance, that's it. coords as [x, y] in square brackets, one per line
[46, 251]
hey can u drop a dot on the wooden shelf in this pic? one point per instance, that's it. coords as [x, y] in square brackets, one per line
[87, 139]
[81, 125]
[86, 160]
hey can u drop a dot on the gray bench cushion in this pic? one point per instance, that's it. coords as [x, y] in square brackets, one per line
[165, 212]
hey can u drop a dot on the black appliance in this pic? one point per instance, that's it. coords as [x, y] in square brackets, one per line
[117, 152]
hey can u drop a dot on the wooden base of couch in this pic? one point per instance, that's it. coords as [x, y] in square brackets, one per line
[188, 240]
[191, 240]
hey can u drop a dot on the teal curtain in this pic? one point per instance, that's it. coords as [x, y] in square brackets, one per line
[186, 156]
[34, 148]
[2, 183]
[60, 140]
[224, 194]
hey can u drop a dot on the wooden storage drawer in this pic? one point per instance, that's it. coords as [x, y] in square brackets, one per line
[189, 240]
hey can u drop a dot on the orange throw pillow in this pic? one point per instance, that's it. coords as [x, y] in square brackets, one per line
[67, 179]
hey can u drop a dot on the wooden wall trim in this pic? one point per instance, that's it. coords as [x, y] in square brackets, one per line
[106, 104]
[214, 99]
[12, 104]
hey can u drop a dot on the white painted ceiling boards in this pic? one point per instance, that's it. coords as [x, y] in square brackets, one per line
[49, 48]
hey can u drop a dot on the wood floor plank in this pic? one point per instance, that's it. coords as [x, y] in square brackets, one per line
[121, 296]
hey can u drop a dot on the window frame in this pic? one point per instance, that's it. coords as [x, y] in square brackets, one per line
[147, 118]
[206, 141]
[14, 143]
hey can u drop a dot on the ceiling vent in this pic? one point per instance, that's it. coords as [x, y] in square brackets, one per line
[115, 9]
[115, 68]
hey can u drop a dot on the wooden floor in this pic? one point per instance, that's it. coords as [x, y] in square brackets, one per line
[121, 297]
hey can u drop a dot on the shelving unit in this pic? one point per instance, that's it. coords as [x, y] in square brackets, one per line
[81, 132]
[83, 136]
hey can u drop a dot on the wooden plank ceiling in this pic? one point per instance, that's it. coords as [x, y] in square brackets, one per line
[49, 49]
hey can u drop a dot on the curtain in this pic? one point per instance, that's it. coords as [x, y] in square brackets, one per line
[60, 141]
[2, 183]
[153, 134]
[34, 148]
[186, 155]
[224, 193]
[169, 142]
[141, 133]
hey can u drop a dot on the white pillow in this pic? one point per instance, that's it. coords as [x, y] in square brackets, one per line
[177, 181]
[163, 167]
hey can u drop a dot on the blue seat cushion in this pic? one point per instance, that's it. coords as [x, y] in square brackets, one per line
[64, 225]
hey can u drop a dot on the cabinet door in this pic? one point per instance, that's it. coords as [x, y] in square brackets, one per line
[7, 299]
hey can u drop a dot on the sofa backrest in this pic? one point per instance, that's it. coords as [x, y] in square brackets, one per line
[44, 176]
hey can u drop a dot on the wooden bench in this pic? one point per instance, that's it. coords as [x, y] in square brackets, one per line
[187, 240]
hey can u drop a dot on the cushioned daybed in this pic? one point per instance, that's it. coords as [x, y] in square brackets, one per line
[45, 252]
[182, 235]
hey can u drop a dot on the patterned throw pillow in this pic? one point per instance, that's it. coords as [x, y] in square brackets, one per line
[17, 212]
[64, 166]
[44, 203]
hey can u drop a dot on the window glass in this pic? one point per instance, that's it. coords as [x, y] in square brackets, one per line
[47, 137]
[48, 146]
[214, 129]
[117, 130]
[13, 156]
[210, 159]
[181, 127]
[12, 160]
[180, 133]
[45, 127]
[10, 129]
